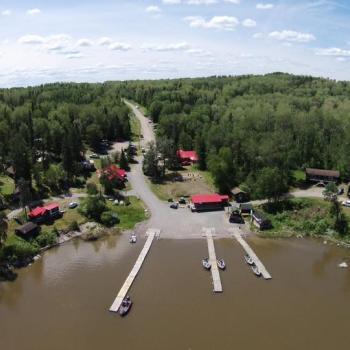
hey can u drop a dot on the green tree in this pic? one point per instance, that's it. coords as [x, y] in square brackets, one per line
[94, 135]
[123, 162]
[330, 192]
[3, 228]
[340, 219]
[150, 162]
[92, 207]
[271, 184]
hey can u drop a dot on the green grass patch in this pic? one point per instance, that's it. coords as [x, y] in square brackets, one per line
[194, 182]
[299, 176]
[300, 216]
[63, 224]
[7, 185]
[129, 215]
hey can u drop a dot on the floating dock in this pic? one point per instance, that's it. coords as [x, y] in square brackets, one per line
[151, 233]
[209, 232]
[251, 253]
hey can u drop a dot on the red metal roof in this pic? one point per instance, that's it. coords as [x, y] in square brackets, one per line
[183, 155]
[113, 172]
[208, 198]
[51, 206]
[41, 211]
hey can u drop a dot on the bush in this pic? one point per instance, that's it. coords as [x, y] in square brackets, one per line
[74, 226]
[46, 238]
[92, 207]
[18, 248]
[91, 188]
[108, 218]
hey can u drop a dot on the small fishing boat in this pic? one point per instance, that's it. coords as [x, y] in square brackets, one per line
[248, 259]
[256, 270]
[221, 264]
[133, 238]
[206, 264]
[125, 306]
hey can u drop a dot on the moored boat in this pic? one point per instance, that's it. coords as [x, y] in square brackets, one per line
[206, 264]
[248, 259]
[133, 238]
[256, 270]
[125, 306]
[221, 264]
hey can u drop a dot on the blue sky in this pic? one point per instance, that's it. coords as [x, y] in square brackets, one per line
[85, 40]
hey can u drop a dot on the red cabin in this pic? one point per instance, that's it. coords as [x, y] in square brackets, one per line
[187, 157]
[49, 211]
[113, 173]
[202, 202]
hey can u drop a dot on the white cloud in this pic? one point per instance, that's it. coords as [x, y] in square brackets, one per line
[217, 22]
[198, 2]
[258, 35]
[170, 47]
[74, 55]
[292, 36]
[105, 41]
[171, 2]
[153, 9]
[31, 39]
[34, 12]
[333, 51]
[6, 13]
[201, 2]
[117, 46]
[265, 6]
[84, 43]
[249, 23]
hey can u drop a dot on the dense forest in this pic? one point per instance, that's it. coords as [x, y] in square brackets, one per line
[45, 130]
[249, 126]
[244, 128]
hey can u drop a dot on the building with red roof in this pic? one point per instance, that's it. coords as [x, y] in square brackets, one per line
[187, 157]
[202, 202]
[112, 172]
[49, 211]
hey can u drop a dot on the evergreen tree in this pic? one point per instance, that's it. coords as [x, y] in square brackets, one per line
[123, 162]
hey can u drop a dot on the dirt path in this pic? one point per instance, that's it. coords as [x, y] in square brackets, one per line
[180, 223]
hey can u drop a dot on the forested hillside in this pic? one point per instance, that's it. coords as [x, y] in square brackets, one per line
[45, 130]
[243, 127]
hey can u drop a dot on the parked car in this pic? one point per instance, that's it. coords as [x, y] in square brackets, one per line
[72, 205]
[174, 205]
[182, 200]
[346, 203]
[94, 156]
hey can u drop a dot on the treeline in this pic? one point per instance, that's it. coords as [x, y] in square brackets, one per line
[45, 130]
[246, 126]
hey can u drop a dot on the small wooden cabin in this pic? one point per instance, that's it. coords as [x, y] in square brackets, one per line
[260, 221]
[28, 230]
[239, 195]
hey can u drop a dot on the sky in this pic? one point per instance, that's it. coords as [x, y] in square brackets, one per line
[94, 41]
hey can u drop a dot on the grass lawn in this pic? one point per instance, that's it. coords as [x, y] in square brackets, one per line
[194, 182]
[68, 217]
[135, 128]
[7, 185]
[303, 216]
[299, 176]
[129, 215]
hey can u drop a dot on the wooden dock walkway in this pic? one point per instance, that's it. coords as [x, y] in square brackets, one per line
[209, 232]
[151, 233]
[251, 253]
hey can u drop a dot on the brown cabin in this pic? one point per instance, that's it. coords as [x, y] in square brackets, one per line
[322, 175]
[240, 196]
[28, 230]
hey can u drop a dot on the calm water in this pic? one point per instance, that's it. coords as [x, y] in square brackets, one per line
[61, 301]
